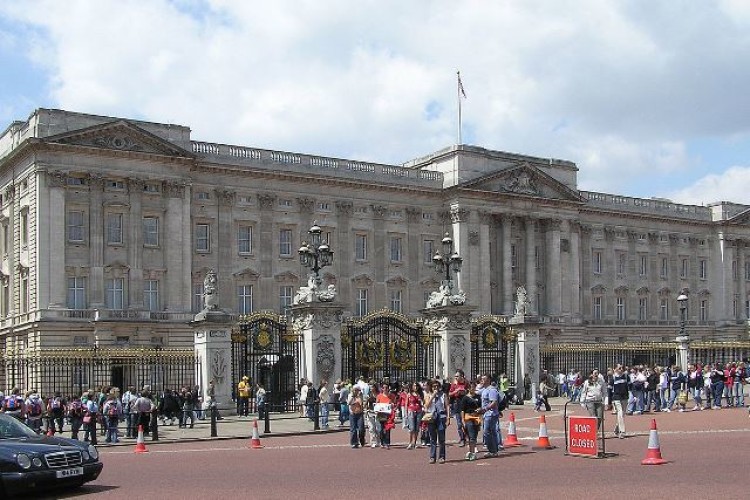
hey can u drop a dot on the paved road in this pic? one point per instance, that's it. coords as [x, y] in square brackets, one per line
[325, 466]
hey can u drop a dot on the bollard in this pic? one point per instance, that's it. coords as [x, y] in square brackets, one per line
[214, 433]
[154, 426]
[316, 415]
[266, 419]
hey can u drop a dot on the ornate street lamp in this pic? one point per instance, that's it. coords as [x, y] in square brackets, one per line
[448, 262]
[315, 255]
[683, 340]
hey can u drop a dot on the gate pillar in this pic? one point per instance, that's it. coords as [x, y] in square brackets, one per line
[450, 327]
[318, 324]
[528, 352]
[213, 350]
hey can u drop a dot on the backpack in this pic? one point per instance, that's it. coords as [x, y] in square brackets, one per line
[112, 411]
[502, 401]
[10, 403]
[75, 408]
[35, 408]
[56, 404]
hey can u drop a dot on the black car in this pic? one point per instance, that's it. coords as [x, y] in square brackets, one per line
[31, 462]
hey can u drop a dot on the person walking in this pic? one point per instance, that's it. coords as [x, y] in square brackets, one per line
[471, 403]
[356, 418]
[490, 411]
[322, 402]
[542, 397]
[436, 405]
[414, 412]
[456, 393]
[592, 396]
[111, 411]
[260, 400]
[618, 385]
[343, 399]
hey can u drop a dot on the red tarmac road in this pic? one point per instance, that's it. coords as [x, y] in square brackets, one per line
[325, 466]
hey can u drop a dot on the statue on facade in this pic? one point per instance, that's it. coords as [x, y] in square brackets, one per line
[444, 296]
[328, 294]
[312, 291]
[210, 292]
[522, 301]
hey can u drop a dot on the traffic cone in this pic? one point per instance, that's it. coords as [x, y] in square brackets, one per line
[653, 454]
[140, 445]
[543, 441]
[255, 440]
[511, 439]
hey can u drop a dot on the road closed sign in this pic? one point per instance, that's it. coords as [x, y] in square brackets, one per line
[582, 436]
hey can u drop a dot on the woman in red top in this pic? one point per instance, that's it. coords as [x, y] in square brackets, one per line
[414, 412]
[386, 420]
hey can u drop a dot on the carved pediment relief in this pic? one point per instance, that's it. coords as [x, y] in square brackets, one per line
[120, 135]
[247, 274]
[430, 283]
[524, 179]
[397, 281]
[362, 280]
[287, 277]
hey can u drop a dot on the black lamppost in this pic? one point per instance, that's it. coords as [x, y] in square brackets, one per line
[316, 254]
[683, 339]
[448, 262]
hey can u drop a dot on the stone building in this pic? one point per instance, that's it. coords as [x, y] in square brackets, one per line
[109, 225]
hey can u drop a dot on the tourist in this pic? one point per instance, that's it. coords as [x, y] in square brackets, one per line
[371, 421]
[75, 416]
[243, 397]
[343, 402]
[112, 410]
[456, 392]
[90, 415]
[414, 412]
[260, 400]
[592, 396]
[385, 414]
[438, 419]
[56, 411]
[322, 402]
[356, 415]
[490, 411]
[471, 403]
[618, 384]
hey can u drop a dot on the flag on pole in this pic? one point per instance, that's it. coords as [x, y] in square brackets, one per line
[460, 85]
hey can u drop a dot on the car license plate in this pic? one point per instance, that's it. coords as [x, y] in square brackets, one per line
[76, 471]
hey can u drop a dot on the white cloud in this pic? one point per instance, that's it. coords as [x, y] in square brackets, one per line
[730, 185]
[618, 88]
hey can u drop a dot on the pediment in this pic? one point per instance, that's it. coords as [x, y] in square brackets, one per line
[286, 277]
[247, 274]
[742, 218]
[397, 281]
[524, 179]
[363, 280]
[120, 135]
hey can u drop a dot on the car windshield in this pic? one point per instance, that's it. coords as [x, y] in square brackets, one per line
[10, 428]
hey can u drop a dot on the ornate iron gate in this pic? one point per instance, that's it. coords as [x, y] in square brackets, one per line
[493, 347]
[386, 344]
[264, 350]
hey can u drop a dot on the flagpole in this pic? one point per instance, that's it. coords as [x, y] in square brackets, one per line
[458, 98]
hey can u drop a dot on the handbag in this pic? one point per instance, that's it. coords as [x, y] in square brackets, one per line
[428, 417]
[682, 398]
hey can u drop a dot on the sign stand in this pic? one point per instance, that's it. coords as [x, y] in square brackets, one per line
[583, 435]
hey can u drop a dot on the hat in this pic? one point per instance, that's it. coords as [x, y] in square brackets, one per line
[245, 378]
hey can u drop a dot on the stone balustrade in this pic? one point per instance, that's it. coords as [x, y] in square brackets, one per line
[645, 205]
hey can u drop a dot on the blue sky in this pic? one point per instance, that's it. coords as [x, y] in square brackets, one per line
[648, 98]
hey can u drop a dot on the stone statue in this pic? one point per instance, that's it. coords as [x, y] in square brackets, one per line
[306, 293]
[328, 294]
[522, 301]
[445, 296]
[210, 292]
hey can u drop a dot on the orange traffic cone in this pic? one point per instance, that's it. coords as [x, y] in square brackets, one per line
[653, 454]
[511, 439]
[255, 441]
[140, 445]
[543, 441]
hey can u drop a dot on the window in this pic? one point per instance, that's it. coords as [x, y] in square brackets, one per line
[621, 308]
[151, 188]
[151, 295]
[24, 227]
[115, 293]
[596, 310]
[596, 262]
[361, 306]
[114, 229]
[643, 265]
[76, 293]
[25, 292]
[703, 312]
[622, 261]
[285, 243]
[360, 247]
[6, 238]
[5, 304]
[197, 297]
[664, 270]
[75, 181]
[684, 268]
[396, 301]
[663, 309]
[396, 249]
[642, 308]
[245, 240]
[244, 299]
[203, 195]
[285, 299]
[118, 185]
[703, 267]
[202, 238]
[428, 250]
[151, 231]
[75, 226]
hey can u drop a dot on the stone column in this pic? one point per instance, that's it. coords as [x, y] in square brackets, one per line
[319, 325]
[213, 350]
[451, 326]
[528, 359]
[344, 211]
[553, 269]
[135, 244]
[740, 284]
[507, 272]
[226, 246]
[531, 264]
[96, 243]
[177, 246]
[53, 269]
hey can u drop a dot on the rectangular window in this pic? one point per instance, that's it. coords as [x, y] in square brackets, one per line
[285, 299]
[202, 238]
[25, 293]
[75, 226]
[428, 250]
[118, 185]
[151, 231]
[76, 293]
[396, 255]
[202, 195]
[596, 310]
[642, 308]
[5, 304]
[663, 309]
[361, 306]
[664, 271]
[643, 266]
[596, 262]
[395, 301]
[245, 299]
[360, 247]
[285, 242]
[114, 229]
[6, 239]
[703, 266]
[620, 308]
[197, 297]
[703, 310]
[115, 297]
[684, 268]
[151, 295]
[245, 240]
[24, 228]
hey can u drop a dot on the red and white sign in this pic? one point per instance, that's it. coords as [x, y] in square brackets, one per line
[582, 436]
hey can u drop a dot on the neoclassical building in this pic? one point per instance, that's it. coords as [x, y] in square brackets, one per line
[108, 227]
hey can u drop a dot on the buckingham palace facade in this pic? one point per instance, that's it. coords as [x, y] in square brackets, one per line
[108, 227]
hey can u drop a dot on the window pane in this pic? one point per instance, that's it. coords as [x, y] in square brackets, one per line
[285, 242]
[114, 298]
[360, 249]
[151, 231]
[202, 238]
[114, 228]
[245, 299]
[151, 295]
[428, 250]
[245, 239]
[75, 226]
[285, 299]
